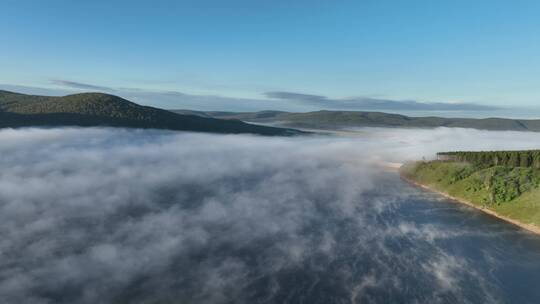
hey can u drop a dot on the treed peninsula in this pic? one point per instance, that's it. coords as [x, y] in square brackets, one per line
[505, 184]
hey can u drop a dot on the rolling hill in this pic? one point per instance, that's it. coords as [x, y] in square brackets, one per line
[98, 109]
[346, 119]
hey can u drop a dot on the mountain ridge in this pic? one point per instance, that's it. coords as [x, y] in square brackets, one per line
[100, 109]
[333, 120]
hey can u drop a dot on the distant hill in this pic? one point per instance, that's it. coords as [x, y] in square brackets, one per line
[98, 109]
[343, 119]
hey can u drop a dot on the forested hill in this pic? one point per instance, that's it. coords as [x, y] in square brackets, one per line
[343, 119]
[98, 109]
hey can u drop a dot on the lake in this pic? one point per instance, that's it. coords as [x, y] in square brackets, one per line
[104, 215]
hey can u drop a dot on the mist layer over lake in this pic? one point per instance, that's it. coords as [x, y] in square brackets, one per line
[103, 215]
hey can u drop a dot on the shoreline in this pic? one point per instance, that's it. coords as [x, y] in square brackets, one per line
[529, 227]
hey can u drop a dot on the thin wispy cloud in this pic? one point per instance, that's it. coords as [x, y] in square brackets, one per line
[324, 102]
[33, 90]
[80, 85]
[368, 103]
[273, 100]
[296, 96]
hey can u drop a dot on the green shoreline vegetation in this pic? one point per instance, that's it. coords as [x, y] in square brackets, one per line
[496, 181]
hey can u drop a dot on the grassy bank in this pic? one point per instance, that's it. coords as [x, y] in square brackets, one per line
[509, 192]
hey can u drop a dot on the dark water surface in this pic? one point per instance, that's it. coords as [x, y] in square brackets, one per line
[418, 248]
[414, 247]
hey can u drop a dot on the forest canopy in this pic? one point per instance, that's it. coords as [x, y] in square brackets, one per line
[524, 158]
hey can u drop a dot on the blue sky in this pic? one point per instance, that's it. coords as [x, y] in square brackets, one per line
[481, 52]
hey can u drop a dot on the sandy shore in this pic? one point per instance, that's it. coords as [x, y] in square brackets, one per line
[389, 166]
[530, 227]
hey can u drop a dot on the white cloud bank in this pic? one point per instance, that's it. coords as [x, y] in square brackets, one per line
[109, 215]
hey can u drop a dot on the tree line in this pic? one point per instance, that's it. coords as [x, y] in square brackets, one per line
[526, 158]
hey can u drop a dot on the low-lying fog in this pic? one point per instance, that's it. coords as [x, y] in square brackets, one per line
[102, 215]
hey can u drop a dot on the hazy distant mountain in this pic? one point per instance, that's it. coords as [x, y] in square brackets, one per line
[98, 109]
[344, 119]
